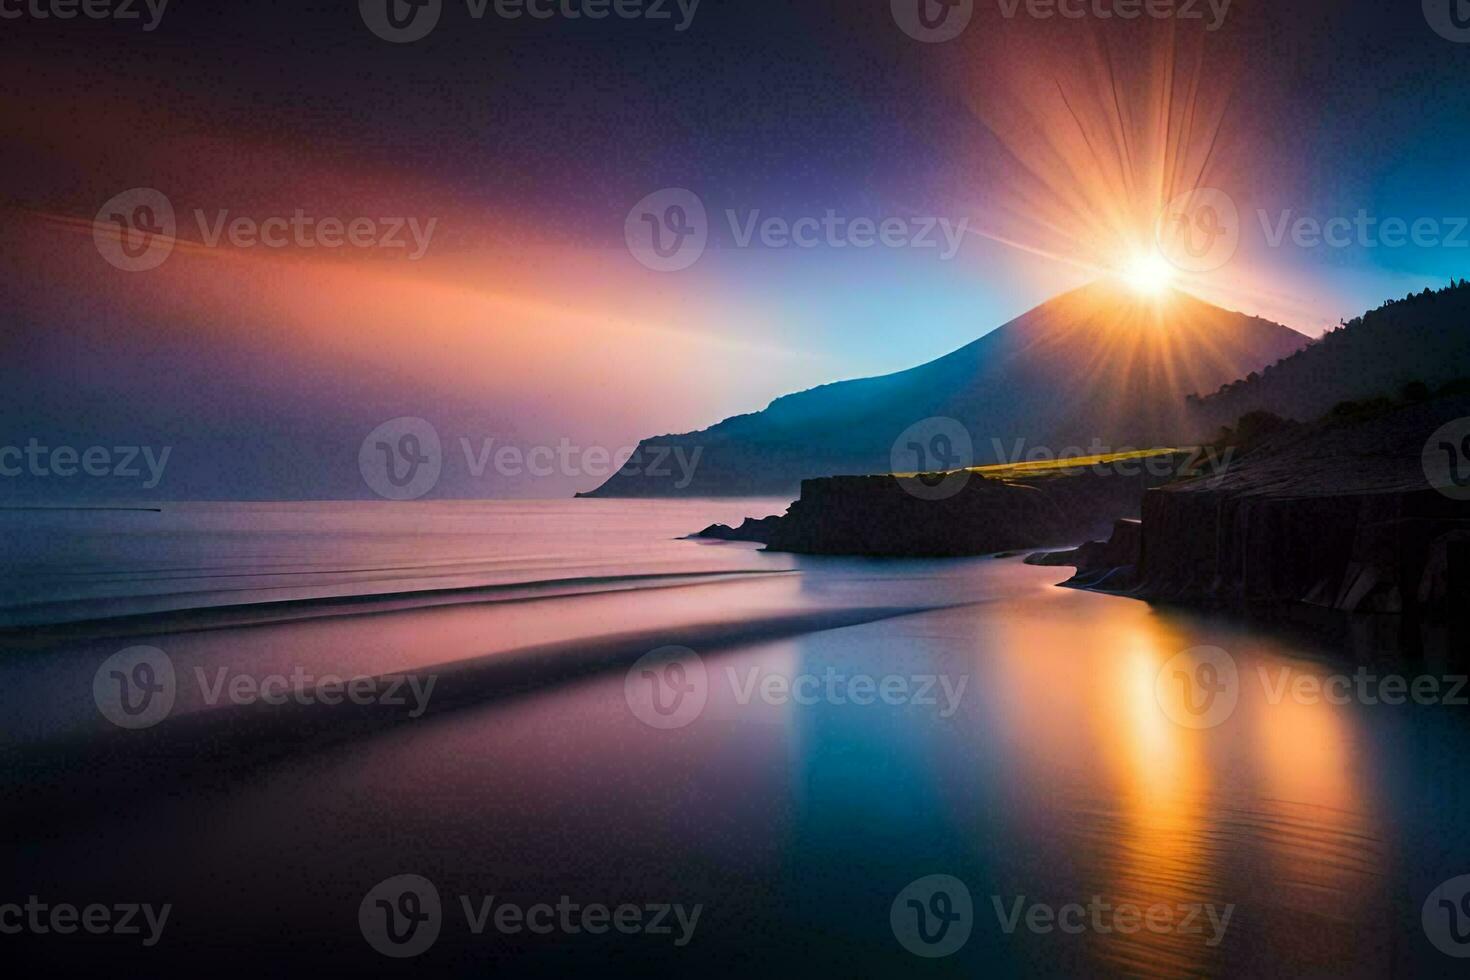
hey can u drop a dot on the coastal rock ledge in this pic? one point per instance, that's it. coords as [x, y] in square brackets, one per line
[1340, 516]
[903, 516]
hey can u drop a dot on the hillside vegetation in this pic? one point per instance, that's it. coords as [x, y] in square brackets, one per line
[1068, 466]
[1417, 344]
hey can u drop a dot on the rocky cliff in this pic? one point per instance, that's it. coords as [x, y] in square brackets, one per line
[1346, 516]
[913, 516]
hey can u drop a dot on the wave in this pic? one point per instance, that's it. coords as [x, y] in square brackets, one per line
[42, 624]
[80, 775]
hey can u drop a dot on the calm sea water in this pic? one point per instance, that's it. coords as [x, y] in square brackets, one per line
[801, 794]
[62, 565]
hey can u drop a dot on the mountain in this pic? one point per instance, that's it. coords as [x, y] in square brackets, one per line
[1423, 338]
[1101, 368]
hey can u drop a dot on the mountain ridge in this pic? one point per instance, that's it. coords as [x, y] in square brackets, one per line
[1097, 365]
[1422, 339]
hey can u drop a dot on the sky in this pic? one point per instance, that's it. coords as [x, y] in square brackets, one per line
[506, 175]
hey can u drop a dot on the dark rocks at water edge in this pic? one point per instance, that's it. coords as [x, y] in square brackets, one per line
[1110, 565]
[890, 516]
[751, 529]
[1350, 514]
[1338, 515]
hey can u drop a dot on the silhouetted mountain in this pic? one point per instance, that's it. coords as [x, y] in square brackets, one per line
[1098, 369]
[1423, 338]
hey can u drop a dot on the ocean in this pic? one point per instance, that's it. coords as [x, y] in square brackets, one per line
[863, 767]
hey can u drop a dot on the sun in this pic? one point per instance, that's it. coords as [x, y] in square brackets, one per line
[1149, 274]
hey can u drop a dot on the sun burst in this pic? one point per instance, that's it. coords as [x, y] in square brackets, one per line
[1149, 274]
